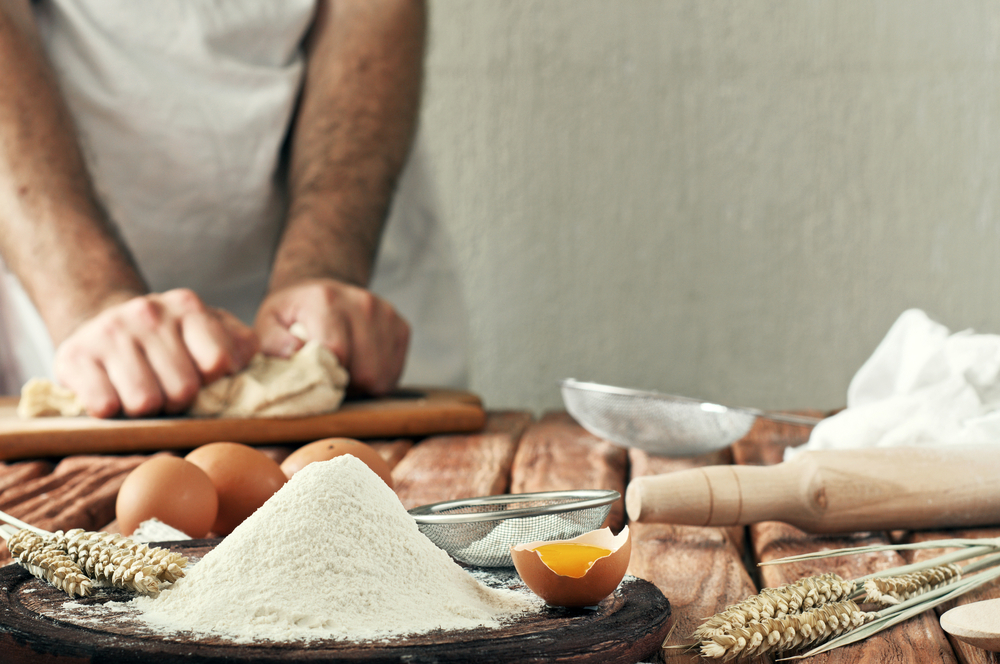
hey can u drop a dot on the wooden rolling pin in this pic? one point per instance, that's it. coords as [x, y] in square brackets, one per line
[832, 491]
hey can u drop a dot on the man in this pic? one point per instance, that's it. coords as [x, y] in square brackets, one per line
[168, 169]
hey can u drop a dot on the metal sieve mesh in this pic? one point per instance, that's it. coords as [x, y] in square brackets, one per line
[663, 424]
[480, 531]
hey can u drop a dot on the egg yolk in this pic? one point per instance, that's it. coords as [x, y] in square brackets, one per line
[570, 559]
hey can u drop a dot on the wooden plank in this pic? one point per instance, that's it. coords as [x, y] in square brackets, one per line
[461, 466]
[415, 413]
[917, 640]
[30, 488]
[392, 451]
[16, 474]
[558, 454]
[700, 570]
[79, 493]
[75, 498]
[767, 440]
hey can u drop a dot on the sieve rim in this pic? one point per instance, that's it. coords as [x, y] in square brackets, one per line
[587, 386]
[580, 499]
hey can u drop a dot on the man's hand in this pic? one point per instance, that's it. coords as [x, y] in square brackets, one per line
[151, 354]
[365, 332]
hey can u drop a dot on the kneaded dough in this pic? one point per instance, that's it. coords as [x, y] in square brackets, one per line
[43, 398]
[311, 382]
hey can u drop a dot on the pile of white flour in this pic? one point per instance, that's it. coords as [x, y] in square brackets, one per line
[333, 554]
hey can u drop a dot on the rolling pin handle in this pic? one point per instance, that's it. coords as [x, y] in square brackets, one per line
[712, 496]
[709, 496]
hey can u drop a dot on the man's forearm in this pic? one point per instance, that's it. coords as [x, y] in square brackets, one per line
[53, 233]
[355, 124]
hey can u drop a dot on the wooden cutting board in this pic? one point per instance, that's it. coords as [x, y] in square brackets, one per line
[408, 413]
[39, 624]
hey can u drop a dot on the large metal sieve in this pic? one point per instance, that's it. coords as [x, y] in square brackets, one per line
[662, 424]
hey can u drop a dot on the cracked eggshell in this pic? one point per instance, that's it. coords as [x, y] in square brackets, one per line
[588, 590]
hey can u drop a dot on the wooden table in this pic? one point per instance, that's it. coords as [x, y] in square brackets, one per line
[700, 570]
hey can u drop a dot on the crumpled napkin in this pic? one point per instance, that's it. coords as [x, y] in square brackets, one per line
[921, 386]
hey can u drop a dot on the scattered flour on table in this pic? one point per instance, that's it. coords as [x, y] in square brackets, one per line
[333, 554]
[154, 530]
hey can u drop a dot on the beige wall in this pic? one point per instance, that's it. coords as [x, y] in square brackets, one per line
[731, 200]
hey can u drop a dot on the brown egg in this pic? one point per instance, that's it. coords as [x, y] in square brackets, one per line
[244, 479]
[575, 572]
[328, 448]
[176, 492]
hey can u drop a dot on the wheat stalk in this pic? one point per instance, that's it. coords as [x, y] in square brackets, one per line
[45, 560]
[170, 564]
[112, 565]
[98, 549]
[907, 609]
[792, 598]
[109, 557]
[792, 632]
[770, 620]
[895, 589]
[967, 548]
[908, 590]
[120, 561]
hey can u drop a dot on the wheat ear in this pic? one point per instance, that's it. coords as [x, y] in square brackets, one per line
[789, 633]
[45, 560]
[112, 558]
[802, 595]
[107, 562]
[896, 589]
[163, 564]
[169, 562]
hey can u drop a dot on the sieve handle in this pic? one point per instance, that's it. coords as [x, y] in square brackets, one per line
[829, 491]
[790, 418]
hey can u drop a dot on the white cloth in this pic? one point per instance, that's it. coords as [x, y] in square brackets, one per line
[182, 107]
[922, 386]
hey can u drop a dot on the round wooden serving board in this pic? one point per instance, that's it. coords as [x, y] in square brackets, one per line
[41, 624]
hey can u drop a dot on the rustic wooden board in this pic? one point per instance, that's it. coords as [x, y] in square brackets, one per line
[412, 413]
[392, 451]
[701, 570]
[37, 627]
[13, 475]
[79, 493]
[460, 466]
[919, 639]
[557, 454]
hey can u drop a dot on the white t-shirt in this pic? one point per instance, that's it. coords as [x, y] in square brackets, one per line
[182, 107]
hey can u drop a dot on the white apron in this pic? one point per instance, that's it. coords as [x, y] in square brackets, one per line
[182, 107]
